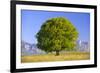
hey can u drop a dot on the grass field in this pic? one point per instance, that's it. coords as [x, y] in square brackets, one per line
[51, 57]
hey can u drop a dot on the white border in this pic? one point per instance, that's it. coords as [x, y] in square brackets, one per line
[20, 65]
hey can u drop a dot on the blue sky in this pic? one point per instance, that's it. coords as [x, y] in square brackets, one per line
[31, 22]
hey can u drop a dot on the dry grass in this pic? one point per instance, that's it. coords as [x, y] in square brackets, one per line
[51, 57]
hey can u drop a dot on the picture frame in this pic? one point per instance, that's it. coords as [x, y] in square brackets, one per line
[16, 30]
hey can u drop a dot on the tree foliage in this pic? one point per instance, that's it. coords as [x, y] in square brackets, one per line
[57, 34]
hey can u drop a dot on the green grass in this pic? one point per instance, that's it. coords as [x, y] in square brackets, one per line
[51, 57]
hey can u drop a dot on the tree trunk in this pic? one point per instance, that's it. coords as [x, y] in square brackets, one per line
[57, 53]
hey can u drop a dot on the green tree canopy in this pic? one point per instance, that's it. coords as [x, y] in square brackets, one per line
[57, 34]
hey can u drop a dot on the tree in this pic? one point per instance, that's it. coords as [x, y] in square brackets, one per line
[57, 34]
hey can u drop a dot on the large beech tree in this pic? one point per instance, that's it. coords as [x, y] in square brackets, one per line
[57, 34]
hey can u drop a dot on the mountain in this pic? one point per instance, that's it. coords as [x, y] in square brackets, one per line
[30, 49]
[83, 46]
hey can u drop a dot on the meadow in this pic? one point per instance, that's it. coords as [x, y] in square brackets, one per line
[66, 56]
